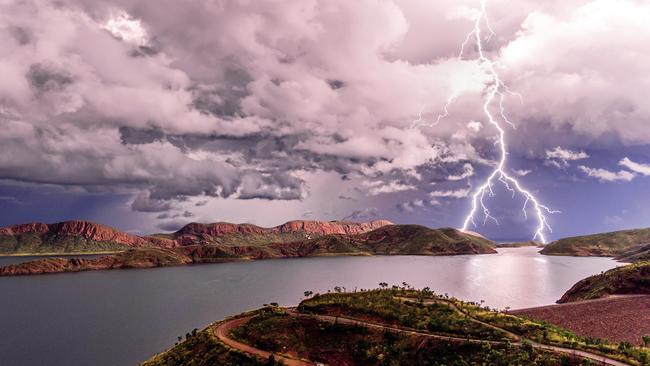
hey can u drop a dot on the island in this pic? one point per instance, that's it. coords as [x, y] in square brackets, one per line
[389, 326]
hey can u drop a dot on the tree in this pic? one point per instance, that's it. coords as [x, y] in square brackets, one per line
[646, 340]
[383, 284]
[308, 293]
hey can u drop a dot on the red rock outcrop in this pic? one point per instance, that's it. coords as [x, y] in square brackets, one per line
[88, 230]
[34, 227]
[296, 226]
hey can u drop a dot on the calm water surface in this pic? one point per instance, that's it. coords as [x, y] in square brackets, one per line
[123, 317]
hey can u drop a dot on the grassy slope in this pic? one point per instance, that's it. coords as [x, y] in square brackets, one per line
[606, 244]
[202, 348]
[630, 279]
[404, 240]
[31, 243]
[272, 330]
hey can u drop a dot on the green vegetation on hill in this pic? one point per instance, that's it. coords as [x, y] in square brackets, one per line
[521, 244]
[33, 243]
[202, 348]
[392, 326]
[343, 344]
[630, 279]
[636, 255]
[611, 244]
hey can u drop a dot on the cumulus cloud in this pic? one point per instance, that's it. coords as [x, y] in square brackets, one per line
[607, 176]
[459, 193]
[120, 96]
[640, 168]
[560, 157]
[378, 187]
[546, 61]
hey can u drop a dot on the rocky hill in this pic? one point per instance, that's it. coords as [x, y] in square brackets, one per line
[78, 237]
[70, 237]
[223, 233]
[612, 244]
[625, 280]
[386, 240]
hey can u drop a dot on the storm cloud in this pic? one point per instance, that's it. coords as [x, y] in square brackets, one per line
[181, 102]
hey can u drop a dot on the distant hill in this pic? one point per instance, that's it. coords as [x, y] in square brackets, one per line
[76, 237]
[386, 240]
[520, 244]
[625, 280]
[612, 244]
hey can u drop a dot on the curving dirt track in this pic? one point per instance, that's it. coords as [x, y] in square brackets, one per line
[221, 332]
[224, 328]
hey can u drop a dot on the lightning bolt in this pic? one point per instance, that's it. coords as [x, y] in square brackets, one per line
[495, 96]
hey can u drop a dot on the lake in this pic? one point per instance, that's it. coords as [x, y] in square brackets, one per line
[123, 317]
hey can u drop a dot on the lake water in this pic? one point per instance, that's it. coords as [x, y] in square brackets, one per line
[123, 317]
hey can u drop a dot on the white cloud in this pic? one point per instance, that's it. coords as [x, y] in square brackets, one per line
[562, 95]
[459, 193]
[474, 126]
[635, 167]
[607, 176]
[124, 27]
[378, 187]
[560, 157]
[522, 172]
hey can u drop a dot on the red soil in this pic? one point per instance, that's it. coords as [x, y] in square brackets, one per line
[616, 318]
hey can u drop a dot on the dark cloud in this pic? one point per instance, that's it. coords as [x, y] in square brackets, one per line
[368, 213]
[144, 203]
[172, 225]
[138, 136]
[335, 84]
[46, 78]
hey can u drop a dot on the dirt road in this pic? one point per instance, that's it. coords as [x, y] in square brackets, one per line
[224, 328]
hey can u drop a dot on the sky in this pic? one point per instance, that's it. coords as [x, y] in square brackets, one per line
[149, 115]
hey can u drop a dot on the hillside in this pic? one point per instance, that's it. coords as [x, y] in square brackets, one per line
[78, 237]
[625, 280]
[397, 326]
[611, 244]
[67, 237]
[521, 244]
[386, 240]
